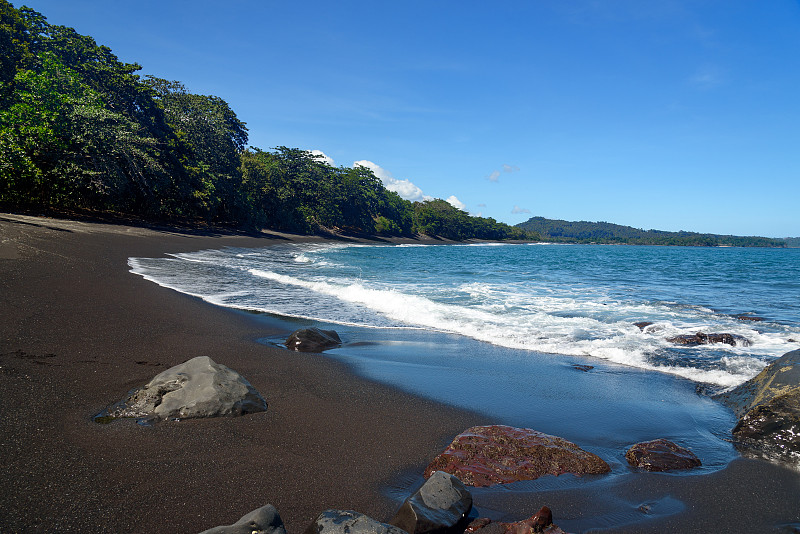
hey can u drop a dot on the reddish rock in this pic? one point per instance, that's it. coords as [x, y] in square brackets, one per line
[541, 522]
[498, 454]
[661, 455]
[643, 324]
[701, 338]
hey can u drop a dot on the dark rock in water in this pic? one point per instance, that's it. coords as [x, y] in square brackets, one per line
[196, 388]
[753, 318]
[768, 407]
[264, 520]
[498, 454]
[542, 521]
[661, 455]
[312, 340]
[643, 324]
[701, 338]
[349, 522]
[439, 506]
[581, 367]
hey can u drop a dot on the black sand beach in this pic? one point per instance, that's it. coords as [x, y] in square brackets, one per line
[77, 331]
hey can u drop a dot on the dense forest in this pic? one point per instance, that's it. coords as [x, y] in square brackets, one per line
[603, 232]
[80, 130]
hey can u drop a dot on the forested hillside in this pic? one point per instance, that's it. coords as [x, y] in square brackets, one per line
[80, 130]
[603, 232]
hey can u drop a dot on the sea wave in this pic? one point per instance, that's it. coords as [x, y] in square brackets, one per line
[439, 290]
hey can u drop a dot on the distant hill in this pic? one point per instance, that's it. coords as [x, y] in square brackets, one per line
[602, 232]
[792, 242]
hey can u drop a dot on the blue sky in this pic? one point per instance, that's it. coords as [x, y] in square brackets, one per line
[671, 115]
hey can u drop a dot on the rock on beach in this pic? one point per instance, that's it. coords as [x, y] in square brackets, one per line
[264, 520]
[661, 455]
[312, 340]
[349, 522]
[768, 407]
[198, 387]
[498, 454]
[438, 507]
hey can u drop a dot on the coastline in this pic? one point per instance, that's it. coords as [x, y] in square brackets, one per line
[78, 331]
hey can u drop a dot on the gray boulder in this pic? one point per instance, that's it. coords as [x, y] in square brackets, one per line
[439, 506]
[264, 520]
[768, 407]
[349, 522]
[196, 388]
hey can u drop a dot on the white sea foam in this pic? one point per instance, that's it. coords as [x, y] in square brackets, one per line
[509, 306]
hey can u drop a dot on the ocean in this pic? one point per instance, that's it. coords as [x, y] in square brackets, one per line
[566, 300]
[530, 335]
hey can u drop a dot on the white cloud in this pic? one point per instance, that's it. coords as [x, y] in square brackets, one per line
[510, 168]
[404, 188]
[323, 157]
[517, 210]
[453, 201]
[494, 176]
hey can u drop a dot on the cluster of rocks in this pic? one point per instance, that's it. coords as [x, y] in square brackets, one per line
[441, 506]
[768, 408]
[479, 456]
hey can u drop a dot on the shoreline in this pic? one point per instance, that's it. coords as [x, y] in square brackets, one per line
[78, 331]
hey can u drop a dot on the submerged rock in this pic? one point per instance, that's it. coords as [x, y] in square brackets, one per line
[439, 506]
[196, 388]
[701, 338]
[498, 454]
[642, 324]
[768, 407]
[312, 340]
[661, 455]
[349, 522]
[264, 520]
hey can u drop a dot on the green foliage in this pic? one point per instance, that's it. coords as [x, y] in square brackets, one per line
[80, 129]
[439, 218]
[603, 232]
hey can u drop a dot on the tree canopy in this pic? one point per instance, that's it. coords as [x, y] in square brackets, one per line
[80, 129]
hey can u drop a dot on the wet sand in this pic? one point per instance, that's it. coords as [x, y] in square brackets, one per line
[77, 331]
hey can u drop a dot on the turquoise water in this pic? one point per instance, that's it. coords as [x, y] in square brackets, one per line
[568, 300]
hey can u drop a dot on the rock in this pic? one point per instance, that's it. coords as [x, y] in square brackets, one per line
[312, 340]
[349, 522]
[701, 338]
[768, 407]
[498, 454]
[264, 520]
[582, 367]
[542, 521]
[753, 318]
[661, 455]
[196, 388]
[439, 506]
[642, 325]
